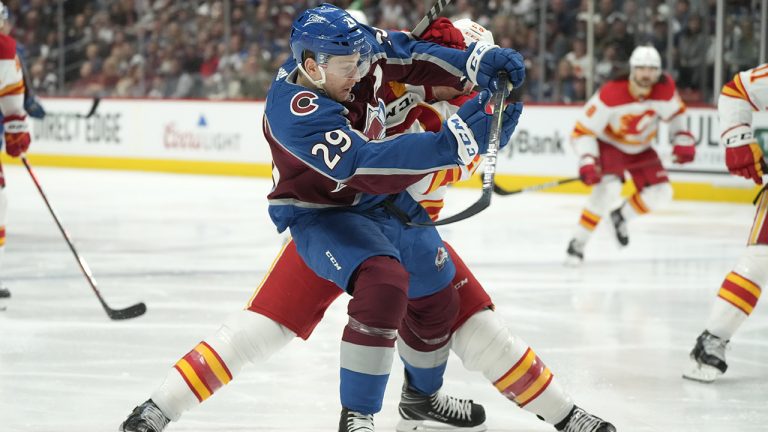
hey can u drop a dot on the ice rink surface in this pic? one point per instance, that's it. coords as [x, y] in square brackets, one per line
[616, 331]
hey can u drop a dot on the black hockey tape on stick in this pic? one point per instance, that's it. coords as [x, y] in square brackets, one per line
[430, 17]
[489, 170]
[115, 314]
[92, 111]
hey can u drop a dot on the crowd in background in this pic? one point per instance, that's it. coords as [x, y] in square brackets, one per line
[231, 49]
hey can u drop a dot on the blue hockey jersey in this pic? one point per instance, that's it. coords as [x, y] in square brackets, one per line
[327, 154]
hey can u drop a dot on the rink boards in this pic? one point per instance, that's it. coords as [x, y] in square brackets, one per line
[225, 137]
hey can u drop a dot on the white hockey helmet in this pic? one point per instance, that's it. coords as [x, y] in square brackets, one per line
[3, 12]
[645, 56]
[473, 32]
[358, 15]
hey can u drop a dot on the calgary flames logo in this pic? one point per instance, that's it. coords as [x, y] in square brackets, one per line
[631, 124]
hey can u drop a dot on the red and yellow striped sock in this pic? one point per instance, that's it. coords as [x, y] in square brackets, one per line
[589, 220]
[526, 380]
[740, 292]
[203, 371]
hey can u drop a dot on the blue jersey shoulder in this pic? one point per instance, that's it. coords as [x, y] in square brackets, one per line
[298, 115]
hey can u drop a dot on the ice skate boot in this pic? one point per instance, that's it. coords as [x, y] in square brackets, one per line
[353, 421]
[146, 417]
[438, 412]
[620, 227]
[707, 358]
[575, 253]
[581, 421]
[4, 293]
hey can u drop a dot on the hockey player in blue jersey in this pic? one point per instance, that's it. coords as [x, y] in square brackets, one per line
[333, 172]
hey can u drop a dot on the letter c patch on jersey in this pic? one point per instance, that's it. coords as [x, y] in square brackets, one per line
[303, 103]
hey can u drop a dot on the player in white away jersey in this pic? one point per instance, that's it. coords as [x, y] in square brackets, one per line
[739, 292]
[614, 135]
[16, 130]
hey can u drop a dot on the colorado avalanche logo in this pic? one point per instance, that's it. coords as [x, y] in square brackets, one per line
[375, 120]
[441, 258]
[303, 103]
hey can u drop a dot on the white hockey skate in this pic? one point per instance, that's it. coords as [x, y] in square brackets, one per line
[707, 358]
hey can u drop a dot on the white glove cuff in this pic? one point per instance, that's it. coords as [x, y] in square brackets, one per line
[16, 126]
[587, 160]
[738, 135]
[473, 61]
[467, 146]
[684, 139]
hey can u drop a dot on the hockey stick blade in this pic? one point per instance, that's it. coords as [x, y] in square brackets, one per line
[431, 15]
[130, 312]
[115, 314]
[489, 171]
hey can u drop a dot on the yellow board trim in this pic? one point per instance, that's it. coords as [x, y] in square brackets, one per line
[683, 190]
[155, 165]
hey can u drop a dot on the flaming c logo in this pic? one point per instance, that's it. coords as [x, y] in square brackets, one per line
[635, 124]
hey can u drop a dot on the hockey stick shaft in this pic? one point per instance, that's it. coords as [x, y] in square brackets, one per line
[538, 187]
[94, 106]
[534, 188]
[489, 171]
[431, 16]
[115, 314]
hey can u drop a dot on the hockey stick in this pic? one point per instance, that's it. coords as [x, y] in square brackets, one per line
[535, 188]
[431, 15]
[115, 314]
[92, 111]
[489, 171]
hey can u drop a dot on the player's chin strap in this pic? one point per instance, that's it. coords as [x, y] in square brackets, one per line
[318, 83]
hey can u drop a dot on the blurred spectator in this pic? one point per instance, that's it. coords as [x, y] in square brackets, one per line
[580, 63]
[692, 55]
[606, 67]
[564, 89]
[171, 48]
[742, 48]
[619, 37]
